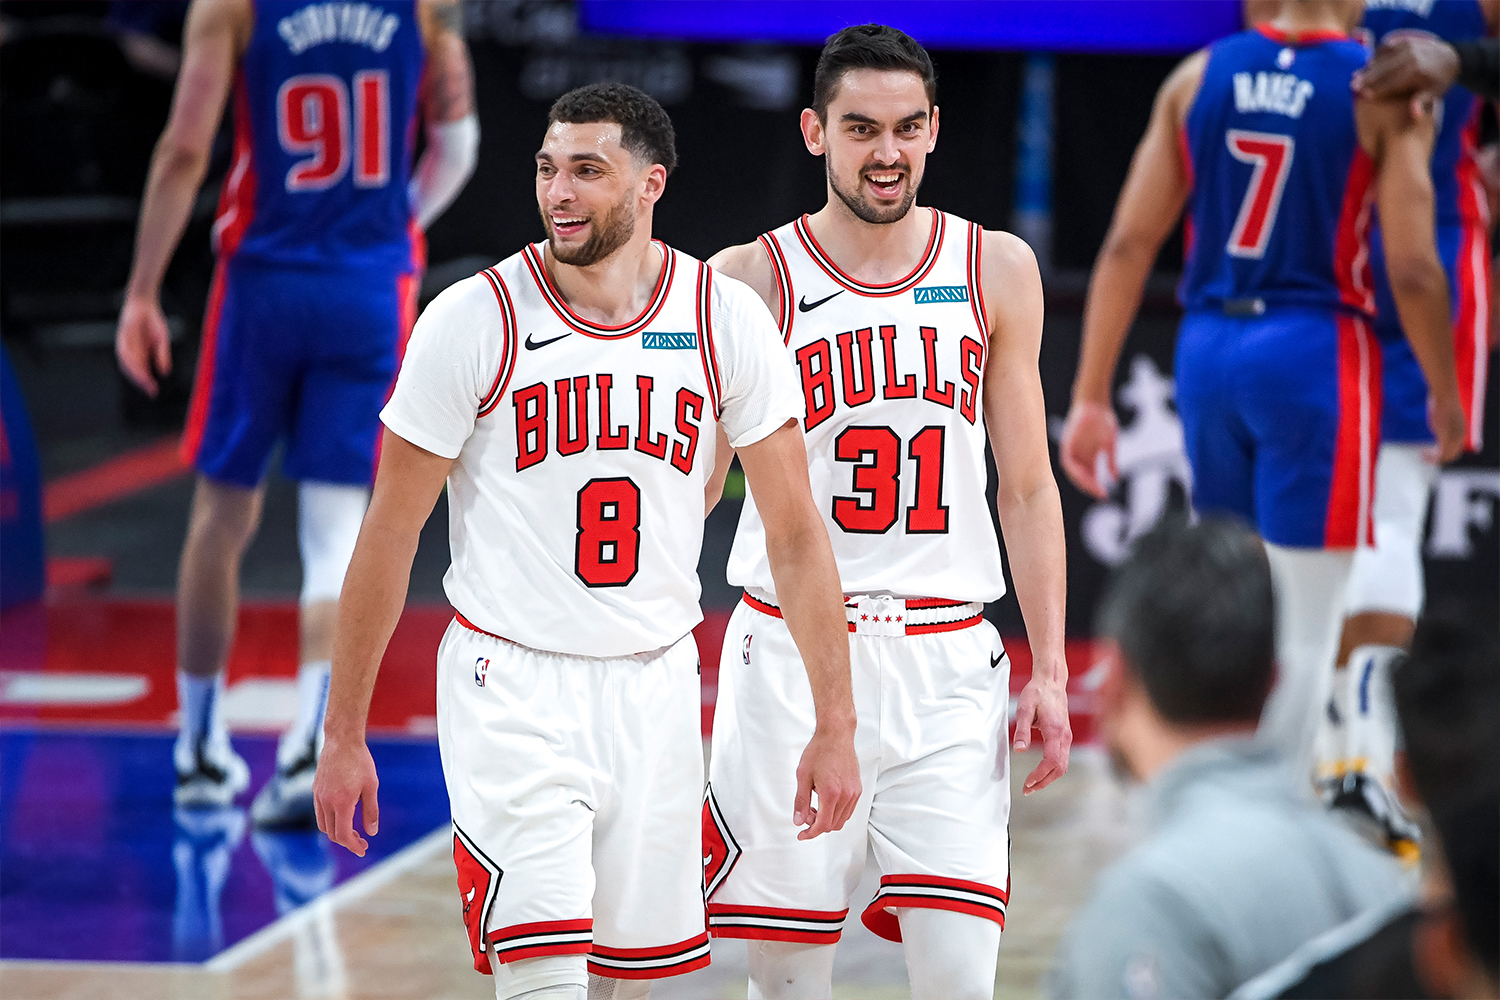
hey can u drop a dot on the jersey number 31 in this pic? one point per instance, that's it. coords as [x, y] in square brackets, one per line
[1271, 157]
[312, 120]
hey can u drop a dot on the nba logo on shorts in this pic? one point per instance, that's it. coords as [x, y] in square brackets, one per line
[481, 667]
[745, 651]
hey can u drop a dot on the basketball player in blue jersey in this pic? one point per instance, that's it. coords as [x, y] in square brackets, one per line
[319, 241]
[1260, 137]
[1386, 588]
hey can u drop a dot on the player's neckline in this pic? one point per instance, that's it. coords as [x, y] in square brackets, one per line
[825, 261]
[536, 264]
[1301, 38]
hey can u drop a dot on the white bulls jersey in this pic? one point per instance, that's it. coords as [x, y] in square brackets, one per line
[892, 378]
[576, 501]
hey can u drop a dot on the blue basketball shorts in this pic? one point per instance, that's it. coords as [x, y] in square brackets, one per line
[1281, 419]
[1466, 258]
[303, 356]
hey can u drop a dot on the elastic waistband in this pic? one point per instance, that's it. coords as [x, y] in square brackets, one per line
[897, 616]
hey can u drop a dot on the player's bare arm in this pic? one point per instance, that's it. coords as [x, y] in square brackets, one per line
[1150, 203]
[807, 584]
[214, 36]
[406, 488]
[450, 124]
[747, 262]
[1027, 501]
[1401, 145]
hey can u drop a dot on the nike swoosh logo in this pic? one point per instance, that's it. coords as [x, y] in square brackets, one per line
[995, 661]
[531, 346]
[806, 306]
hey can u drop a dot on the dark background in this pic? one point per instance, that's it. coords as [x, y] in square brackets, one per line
[78, 120]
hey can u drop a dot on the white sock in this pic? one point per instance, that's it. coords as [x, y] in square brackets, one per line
[949, 956]
[200, 702]
[312, 702]
[785, 970]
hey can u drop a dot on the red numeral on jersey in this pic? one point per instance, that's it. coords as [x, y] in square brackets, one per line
[1271, 156]
[609, 532]
[876, 454]
[312, 120]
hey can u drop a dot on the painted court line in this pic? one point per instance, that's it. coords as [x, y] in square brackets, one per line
[110, 480]
[327, 905]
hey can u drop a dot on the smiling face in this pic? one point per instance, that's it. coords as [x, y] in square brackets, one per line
[875, 141]
[590, 190]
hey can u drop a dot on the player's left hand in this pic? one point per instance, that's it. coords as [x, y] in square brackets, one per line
[1044, 705]
[830, 768]
[346, 777]
[1449, 426]
[1414, 66]
[143, 344]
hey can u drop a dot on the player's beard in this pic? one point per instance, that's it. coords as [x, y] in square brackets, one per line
[867, 212]
[605, 237]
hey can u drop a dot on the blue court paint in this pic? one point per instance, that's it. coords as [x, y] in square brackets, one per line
[95, 864]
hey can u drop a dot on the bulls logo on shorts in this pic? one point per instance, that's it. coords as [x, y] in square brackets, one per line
[720, 849]
[481, 668]
[478, 881]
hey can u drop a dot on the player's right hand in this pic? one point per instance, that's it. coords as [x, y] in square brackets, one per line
[1090, 431]
[1449, 426]
[830, 768]
[345, 777]
[142, 342]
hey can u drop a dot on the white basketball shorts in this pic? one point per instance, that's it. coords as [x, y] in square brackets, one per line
[575, 784]
[931, 689]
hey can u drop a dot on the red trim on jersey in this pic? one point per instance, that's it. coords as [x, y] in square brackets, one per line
[203, 379]
[237, 197]
[783, 276]
[475, 628]
[508, 342]
[646, 963]
[962, 623]
[538, 268]
[1351, 247]
[759, 923]
[546, 937]
[820, 257]
[706, 352]
[1352, 484]
[408, 289]
[1471, 348]
[1303, 37]
[926, 892]
[976, 287]
[1185, 151]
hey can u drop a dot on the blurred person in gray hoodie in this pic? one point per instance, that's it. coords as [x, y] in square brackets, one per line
[1240, 867]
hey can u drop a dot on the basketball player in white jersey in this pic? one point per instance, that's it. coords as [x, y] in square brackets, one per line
[914, 334]
[572, 397]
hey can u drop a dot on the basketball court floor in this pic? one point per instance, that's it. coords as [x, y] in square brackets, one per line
[106, 890]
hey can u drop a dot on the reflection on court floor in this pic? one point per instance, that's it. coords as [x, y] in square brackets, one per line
[95, 864]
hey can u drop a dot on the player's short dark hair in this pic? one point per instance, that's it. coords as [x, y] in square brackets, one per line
[1447, 695]
[1192, 610]
[869, 46]
[645, 129]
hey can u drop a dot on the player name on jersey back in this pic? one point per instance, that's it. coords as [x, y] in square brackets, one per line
[892, 382]
[583, 450]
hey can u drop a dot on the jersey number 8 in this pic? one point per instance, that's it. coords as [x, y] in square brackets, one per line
[312, 117]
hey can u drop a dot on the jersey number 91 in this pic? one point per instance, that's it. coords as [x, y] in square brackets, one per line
[313, 121]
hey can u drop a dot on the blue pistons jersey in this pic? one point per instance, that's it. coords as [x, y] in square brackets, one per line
[1279, 207]
[325, 101]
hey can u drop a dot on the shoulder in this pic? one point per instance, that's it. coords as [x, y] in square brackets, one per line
[1005, 255]
[473, 303]
[1181, 85]
[233, 19]
[748, 264]
[1009, 277]
[734, 297]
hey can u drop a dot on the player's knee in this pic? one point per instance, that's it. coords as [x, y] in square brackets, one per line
[605, 988]
[328, 520]
[548, 977]
[224, 517]
[784, 970]
[949, 955]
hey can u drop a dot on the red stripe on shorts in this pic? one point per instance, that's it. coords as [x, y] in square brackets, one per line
[1351, 486]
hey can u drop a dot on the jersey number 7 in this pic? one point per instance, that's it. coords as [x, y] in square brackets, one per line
[312, 117]
[1271, 156]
